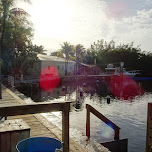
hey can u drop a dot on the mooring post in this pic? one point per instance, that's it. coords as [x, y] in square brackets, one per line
[65, 127]
[88, 122]
[149, 130]
[116, 137]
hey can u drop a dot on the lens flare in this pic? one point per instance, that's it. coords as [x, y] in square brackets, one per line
[124, 87]
[107, 131]
[49, 79]
[117, 9]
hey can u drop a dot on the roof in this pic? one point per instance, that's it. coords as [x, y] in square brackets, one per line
[88, 65]
[43, 57]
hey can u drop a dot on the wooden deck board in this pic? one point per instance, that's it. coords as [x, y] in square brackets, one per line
[37, 128]
[39, 125]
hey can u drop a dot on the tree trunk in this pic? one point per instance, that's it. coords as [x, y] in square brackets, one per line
[1, 47]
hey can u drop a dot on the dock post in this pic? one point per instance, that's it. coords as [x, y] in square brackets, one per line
[149, 128]
[21, 77]
[116, 136]
[88, 122]
[65, 127]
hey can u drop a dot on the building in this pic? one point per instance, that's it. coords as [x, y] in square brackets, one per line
[60, 64]
[87, 69]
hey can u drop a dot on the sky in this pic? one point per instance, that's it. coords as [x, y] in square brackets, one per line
[86, 21]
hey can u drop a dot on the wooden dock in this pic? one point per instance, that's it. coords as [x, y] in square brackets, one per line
[39, 125]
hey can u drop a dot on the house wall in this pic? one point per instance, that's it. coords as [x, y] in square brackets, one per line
[59, 65]
[71, 67]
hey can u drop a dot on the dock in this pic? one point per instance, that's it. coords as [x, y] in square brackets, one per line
[39, 125]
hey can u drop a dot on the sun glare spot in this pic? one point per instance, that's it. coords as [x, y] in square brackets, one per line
[49, 79]
[51, 18]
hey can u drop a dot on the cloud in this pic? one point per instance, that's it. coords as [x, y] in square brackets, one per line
[86, 21]
[131, 6]
[135, 29]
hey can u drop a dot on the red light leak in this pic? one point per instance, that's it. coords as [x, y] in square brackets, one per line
[49, 79]
[124, 87]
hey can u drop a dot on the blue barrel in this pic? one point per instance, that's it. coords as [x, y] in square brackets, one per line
[39, 144]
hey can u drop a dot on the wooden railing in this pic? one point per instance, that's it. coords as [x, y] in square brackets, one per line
[24, 109]
[103, 118]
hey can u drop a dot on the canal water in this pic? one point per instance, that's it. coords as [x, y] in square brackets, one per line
[130, 115]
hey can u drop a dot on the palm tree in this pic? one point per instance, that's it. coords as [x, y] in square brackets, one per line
[80, 52]
[5, 5]
[68, 52]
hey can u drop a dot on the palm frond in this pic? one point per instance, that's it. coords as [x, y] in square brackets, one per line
[19, 12]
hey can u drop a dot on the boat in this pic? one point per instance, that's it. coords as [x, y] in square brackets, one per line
[110, 70]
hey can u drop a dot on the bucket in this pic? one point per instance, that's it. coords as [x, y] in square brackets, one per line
[40, 144]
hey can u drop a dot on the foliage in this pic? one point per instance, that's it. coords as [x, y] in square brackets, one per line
[57, 53]
[106, 53]
[102, 53]
[67, 50]
[17, 51]
[80, 53]
[71, 52]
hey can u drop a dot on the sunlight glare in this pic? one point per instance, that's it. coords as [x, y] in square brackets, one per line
[51, 17]
[107, 132]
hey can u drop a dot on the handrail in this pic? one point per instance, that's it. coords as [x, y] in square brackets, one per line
[23, 109]
[103, 118]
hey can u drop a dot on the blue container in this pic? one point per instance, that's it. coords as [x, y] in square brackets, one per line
[39, 144]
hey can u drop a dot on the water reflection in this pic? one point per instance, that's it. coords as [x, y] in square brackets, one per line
[125, 87]
[129, 116]
[121, 87]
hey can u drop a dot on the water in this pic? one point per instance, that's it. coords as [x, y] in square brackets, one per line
[130, 116]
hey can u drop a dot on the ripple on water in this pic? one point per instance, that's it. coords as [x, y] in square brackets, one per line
[130, 116]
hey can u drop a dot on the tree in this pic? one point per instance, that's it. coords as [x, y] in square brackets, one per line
[36, 49]
[16, 34]
[5, 6]
[57, 53]
[68, 52]
[18, 52]
[16, 39]
[80, 53]
[108, 52]
[26, 59]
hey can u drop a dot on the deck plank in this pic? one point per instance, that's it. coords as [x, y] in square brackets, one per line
[39, 125]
